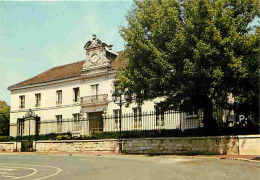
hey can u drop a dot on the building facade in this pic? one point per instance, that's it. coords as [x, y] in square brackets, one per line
[74, 97]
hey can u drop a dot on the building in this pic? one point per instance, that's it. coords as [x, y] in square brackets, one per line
[62, 96]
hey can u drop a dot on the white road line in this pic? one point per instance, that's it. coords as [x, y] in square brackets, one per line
[6, 169]
[34, 171]
[58, 169]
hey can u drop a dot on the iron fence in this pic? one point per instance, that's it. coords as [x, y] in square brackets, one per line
[146, 124]
[176, 123]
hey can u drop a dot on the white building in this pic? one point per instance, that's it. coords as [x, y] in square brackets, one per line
[65, 94]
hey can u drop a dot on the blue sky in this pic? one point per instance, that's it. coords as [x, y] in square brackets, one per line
[36, 36]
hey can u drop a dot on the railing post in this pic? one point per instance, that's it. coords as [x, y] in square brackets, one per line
[120, 126]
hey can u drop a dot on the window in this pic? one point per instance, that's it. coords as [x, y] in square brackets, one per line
[37, 100]
[192, 114]
[94, 89]
[76, 124]
[22, 101]
[59, 97]
[20, 127]
[76, 94]
[38, 126]
[59, 123]
[137, 117]
[159, 116]
[116, 115]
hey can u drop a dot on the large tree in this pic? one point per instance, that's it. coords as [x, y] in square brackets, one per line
[4, 118]
[193, 53]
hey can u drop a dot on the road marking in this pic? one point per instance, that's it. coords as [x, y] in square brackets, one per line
[34, 171]
[6, 169]
[58, 169]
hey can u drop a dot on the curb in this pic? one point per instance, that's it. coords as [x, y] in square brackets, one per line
[226, 158]
[243, 159]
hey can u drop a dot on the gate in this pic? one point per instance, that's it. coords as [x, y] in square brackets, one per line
[28, 131]
[95, 122]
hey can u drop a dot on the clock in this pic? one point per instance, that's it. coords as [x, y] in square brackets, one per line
[94, 59]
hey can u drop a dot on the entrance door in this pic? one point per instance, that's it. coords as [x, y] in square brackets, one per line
[95, 122]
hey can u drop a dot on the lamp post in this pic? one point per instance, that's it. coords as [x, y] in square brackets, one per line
[117, 98]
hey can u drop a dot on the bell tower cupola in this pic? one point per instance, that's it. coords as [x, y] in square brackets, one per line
[99, 56]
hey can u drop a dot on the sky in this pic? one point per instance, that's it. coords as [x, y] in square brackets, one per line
[36, 36]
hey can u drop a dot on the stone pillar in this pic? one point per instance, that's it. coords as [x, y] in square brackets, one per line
[13, 130]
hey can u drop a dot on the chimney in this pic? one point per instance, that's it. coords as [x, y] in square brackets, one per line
[94, 36]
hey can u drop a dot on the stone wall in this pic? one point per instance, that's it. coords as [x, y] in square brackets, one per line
[75, 146]
[249, 145]
[182, 145]
[7, 146]
[231, 145]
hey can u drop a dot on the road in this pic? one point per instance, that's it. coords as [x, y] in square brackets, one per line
[90, 167]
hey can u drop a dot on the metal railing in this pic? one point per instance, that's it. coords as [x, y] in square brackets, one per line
[150, 124]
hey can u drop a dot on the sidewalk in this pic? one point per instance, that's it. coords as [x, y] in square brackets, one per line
[251, 158]
[240, 157]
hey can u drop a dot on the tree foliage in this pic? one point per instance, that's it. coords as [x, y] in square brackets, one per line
[4, 118]
[193, 53]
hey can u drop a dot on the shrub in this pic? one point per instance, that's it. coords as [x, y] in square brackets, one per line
[7, 138]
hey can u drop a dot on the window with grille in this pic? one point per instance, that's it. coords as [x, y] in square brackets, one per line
[116, 115]
[59, 97]
[59, 123]
[37, 100]
[159, 116]
[22, 101]
[76, 122]
[137, 117]
[38, 127]
[20, 127]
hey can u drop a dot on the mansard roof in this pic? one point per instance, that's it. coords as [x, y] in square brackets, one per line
[64, 72]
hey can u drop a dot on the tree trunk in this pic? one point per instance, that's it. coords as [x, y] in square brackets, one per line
[210, 125]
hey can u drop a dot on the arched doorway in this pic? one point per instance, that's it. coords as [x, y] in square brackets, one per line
[28, 131]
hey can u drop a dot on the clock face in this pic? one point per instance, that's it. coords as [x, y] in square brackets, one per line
[94, 58]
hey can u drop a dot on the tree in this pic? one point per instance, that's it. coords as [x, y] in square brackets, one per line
[4, 118]
[193, 53]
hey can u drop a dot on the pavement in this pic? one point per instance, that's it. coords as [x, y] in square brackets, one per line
[95, 166]
[251, 158]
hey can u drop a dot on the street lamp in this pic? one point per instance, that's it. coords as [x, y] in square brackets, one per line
[117, 98]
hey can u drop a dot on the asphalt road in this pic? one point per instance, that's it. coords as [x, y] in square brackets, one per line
[60, 167]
